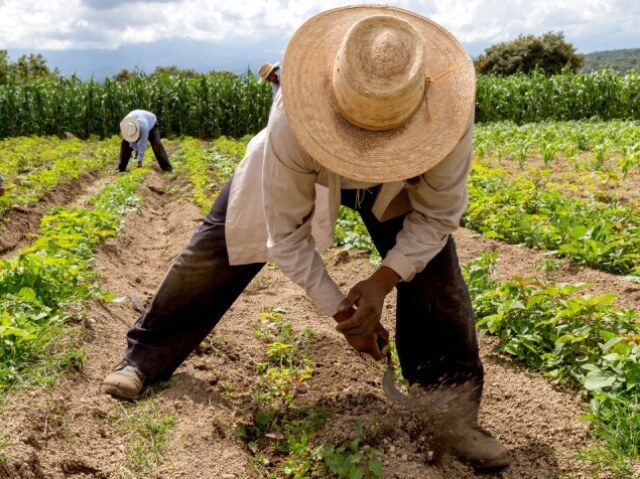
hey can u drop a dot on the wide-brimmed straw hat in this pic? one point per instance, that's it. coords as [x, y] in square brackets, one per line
[377, 93]
[265, 70]
[130, 129]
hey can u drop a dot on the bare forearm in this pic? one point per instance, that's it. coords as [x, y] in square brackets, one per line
[386, 277]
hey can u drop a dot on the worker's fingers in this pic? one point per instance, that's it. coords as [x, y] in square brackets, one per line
[382, 343]
[350, 300]
[362, 322]
[382, 332]
[375, 352]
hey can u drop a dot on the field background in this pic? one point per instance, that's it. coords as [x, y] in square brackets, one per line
[549, 243]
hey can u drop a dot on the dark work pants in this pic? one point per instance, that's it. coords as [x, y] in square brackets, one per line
[435, 329]
[156, 145]
[435, 334]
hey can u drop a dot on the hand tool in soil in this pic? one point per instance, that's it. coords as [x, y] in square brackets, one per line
[441, 412]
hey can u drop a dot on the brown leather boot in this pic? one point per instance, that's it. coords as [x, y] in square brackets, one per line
[125, 381]
[479, 449]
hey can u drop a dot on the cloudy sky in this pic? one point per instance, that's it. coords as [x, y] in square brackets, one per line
[99, 36]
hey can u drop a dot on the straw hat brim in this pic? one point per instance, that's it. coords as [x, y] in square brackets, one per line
[426, 139]
[274, 67]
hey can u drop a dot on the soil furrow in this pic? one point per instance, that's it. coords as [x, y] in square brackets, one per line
[21, 223]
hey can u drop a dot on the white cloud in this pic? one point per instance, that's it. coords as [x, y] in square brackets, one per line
[65, 24]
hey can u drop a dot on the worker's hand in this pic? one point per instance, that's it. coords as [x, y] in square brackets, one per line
[376, 345]
[368, 298]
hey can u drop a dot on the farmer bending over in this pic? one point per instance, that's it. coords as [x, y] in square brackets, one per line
[136, 128]
[271, 73]
[376, 114]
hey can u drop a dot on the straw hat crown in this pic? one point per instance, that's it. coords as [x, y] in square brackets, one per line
[379, 73]
[130, 129]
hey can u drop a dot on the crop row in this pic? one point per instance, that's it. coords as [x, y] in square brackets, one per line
[32, 167]
[38, 286]
[208, 106]
[208, 166]
[605, 94]
[568, 139]
[584, 342]
[605, 236]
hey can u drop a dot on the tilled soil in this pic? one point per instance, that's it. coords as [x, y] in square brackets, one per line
[20, 223]
[73, 430]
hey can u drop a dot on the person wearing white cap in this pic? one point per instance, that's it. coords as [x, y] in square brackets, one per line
[138, 127]
[376, 114]
[270, 72]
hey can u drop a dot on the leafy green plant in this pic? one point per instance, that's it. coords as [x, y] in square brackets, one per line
[630, 159]
[56, 270]
[287, 365]
[352, 459]
[351, 233]
[547, 266]
[584, 342]
[548, 153]
[519, 210]
[288, 429]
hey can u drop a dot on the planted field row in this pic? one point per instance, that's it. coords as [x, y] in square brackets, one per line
[38, 286]
[208, 166]
[515, 209]
[586, 146]
[520, 98]
[208, 106]
[583, 342]
[31, 167]
[290, 424]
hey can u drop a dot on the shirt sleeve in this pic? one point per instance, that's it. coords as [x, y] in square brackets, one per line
[438, 201]
[288, 186]
[142, 141]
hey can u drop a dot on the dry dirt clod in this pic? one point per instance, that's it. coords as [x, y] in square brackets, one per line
[157, 190]
[136, 303]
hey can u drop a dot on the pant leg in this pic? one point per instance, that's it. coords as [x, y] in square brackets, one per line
[435, 329]
[197, 290]
[125, 155]
[158, 149]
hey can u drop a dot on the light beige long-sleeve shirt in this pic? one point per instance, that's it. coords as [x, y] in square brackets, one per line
[283, 206]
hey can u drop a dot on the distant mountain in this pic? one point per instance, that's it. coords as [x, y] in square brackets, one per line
[185, 54]
[620, 60]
